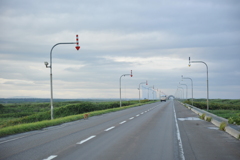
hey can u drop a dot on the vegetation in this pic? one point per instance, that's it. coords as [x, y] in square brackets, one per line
[209, 119]
[27, 120]
[226, 108]
[222, 126]
[202, 116]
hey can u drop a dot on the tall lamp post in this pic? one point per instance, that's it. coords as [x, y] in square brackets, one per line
[186, 90]
[140, 87]
[192, 85]
[120, 85]
[207, 77]
[182, 92]
[50, 66]
[148, 90]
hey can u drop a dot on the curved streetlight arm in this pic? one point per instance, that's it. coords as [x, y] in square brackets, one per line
[182, 91]
[148, 90]
[139, 89]
[50, 66]
[120, 87]
[192, 86]
[207, 78]
[55, 46]
[186, 89]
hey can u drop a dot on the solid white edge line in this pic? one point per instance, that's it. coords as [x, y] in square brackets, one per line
[85, 140]
[109, 128]
[51, 157]
[178, 135]
[122, 122]
[131, 118]
[12, 139]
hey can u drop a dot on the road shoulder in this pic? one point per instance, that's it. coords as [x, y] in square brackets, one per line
[202, 140]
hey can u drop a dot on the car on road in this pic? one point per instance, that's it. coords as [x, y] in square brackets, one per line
[163, 98]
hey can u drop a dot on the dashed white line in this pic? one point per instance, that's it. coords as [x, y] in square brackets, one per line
[137, 115]
[142, 113]
[131, 118]
[108, 129]
[85, 140]
[122, 122]
[51, 157]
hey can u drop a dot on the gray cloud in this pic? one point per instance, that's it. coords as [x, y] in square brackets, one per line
[152, 38]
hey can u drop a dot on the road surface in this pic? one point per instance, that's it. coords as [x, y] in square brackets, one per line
[162, 130]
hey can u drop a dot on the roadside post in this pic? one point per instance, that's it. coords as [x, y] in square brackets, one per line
[50, 66]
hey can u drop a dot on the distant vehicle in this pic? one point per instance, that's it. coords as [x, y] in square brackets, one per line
[163, 98]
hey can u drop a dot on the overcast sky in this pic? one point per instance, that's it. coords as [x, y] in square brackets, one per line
[152, 38]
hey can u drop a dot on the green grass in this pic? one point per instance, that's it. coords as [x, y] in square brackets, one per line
[202, 116]
[225, 113]
[28, 113]
[226, 108]
[222, 126]
[209, 119]
[20, 128]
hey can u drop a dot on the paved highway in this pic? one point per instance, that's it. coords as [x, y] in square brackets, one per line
[162, 130]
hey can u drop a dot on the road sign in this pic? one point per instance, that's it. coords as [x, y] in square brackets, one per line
[77, 47]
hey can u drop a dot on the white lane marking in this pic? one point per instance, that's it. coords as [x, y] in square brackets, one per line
[51, 157]
[122, 122]
[108, 129]
[85, 140]
[178, 135]
[216, 128]
[142, 113]
[12, 139]
[189, 119]
[131, 118]
[137, 115]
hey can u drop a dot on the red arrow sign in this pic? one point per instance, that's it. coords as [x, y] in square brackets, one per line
[77, 47]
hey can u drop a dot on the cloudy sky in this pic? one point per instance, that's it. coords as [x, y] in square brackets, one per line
[152, 38]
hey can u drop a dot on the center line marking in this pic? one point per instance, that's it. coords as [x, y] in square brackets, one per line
[51, 157]
[109, 128]
[142, 113]
[131, 118]
[85, 140]
[122, 122]
[137, 115]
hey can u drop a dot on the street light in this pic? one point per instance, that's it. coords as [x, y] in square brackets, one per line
[139, 88]
[50, 66]
[192, 85]
[182, 92]
[207, 77]
[120, 85]
[186, 89]
[148, 90]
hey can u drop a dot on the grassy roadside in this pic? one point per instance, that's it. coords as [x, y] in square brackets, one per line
[20, 128]
[226, 108]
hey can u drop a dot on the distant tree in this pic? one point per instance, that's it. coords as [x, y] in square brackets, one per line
[1, 108]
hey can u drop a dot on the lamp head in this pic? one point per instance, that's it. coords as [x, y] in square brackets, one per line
[46, 64]
[189, 62]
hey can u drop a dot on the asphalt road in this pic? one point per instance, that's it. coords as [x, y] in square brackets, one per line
[147, 132]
